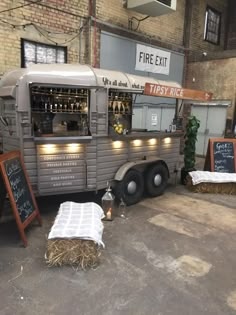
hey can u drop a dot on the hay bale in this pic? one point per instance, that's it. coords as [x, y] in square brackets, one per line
[215, 188]
[72, 252]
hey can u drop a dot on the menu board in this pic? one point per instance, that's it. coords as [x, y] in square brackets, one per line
[19, 190]
[221, 155]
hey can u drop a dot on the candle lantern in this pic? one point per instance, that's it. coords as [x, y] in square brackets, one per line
[108, 202]
[122, 209]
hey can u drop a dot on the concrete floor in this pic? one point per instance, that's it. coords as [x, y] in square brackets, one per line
[173, 255]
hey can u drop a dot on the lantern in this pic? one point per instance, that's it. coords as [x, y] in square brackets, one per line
[122, 209]
[108, 202]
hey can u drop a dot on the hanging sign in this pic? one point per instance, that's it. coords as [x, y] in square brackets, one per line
[176, 92]
[15, 182]
[154, 60]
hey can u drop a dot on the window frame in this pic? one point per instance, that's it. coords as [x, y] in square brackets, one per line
[24, 40]
[219, 14]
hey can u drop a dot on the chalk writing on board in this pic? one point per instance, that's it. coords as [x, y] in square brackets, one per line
[19, 188]
[223, 157]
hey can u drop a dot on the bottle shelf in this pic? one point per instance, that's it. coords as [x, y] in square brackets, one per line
[60, 95]
[58, 112]
[123, 114]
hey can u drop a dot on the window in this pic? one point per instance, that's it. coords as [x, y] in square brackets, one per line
[33, 52]
[212, 26]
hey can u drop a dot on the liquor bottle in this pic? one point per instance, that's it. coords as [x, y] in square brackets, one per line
[115, 105]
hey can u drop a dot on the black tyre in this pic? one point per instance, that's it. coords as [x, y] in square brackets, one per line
[156, 179]
[131, 188]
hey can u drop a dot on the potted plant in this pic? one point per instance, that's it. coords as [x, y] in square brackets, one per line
[189, 147]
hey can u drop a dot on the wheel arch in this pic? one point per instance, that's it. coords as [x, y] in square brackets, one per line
[139, 165]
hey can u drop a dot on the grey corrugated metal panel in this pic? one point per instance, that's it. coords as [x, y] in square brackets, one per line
[32, 172]
[33, 179]
[29, 152]
[118, 159]
[91, 156]
[29, 145]
[61, 190]
[101, 129]
[102, 184]
[112, 153]
[108, 170]
[30, 166]
[102, 121]
[60, 157]
[58, 149]
[61, 164]
[137, 156]
[115, 157]
[91, 162]
[144, 148]
[9, 146]
[91, 149]
[30, 159]
[54, 185]
[61, 171]
[62, 177]
[105, 165]
[92, 186]
[104, 140]
[10, 140]
[109, 146]
[92, 168]
[106, 177]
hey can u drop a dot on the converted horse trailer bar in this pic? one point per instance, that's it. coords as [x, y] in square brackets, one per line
[73, 126]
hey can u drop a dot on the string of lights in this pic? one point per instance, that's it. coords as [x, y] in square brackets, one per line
[21, 6]
[46, 33]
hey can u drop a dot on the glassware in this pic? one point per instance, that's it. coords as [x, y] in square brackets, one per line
[108, 202]
[122, 209]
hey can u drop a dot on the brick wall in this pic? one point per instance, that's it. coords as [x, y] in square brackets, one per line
[231, 40]
[64, 17]
[167, 28]
[197, 44]
[47, 20]
[217, 76]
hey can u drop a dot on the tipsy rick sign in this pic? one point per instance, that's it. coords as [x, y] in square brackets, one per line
[176, 92]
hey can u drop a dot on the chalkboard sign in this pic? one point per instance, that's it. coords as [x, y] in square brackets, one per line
[19, 190]
[221, 155]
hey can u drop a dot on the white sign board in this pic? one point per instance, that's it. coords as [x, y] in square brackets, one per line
[154, 119]
[152, 60]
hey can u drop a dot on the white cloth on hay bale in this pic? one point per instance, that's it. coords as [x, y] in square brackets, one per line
[78, 220]
[212, 177]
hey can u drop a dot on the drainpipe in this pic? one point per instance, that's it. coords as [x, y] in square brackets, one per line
[187, 35]
[92, 41]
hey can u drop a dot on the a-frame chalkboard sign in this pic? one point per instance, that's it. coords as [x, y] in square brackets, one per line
[18, 188]
[221, 155]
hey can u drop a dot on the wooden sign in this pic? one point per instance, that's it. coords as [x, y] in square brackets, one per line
[176, 92]
[19, 190]
[221, 155]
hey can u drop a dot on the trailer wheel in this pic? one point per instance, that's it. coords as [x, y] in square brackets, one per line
[131, 188]
[156, 179]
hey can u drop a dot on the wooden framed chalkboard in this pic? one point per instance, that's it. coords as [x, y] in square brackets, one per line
[221, 155]
[18, 188]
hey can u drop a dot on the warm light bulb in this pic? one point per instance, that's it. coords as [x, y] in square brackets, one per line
[153, 141]
[167, 140]
[117, 144]
[49, 148]
[137, 142]
[73, 147]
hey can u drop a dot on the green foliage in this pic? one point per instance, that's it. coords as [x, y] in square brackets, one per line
[190, 142]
